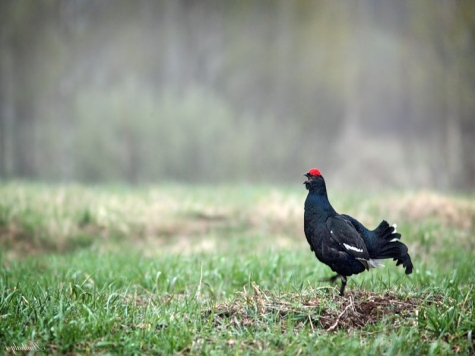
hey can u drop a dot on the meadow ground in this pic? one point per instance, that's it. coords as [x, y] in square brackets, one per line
[177, 269]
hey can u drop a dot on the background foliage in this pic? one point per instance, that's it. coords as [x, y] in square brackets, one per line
[146, 91]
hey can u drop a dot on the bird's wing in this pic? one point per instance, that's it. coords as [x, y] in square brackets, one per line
[343, 232]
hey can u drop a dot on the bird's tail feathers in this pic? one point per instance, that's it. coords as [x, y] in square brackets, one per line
[406, 263]
[387, 232]
[391, 247]
[392, 250]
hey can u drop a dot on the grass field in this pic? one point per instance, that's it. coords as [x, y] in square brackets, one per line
[178, 269]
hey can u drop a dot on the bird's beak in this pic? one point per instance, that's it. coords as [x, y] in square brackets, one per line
[308, 176]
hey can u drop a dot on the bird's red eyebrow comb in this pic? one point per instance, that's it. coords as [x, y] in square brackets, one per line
[314, 172]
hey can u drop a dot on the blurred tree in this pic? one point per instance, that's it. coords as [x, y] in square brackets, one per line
[142, 91]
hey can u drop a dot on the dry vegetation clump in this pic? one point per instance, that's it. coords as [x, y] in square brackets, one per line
[277, 213]
[62, 219]
[313, 309]
[449, 211]
[42, 219]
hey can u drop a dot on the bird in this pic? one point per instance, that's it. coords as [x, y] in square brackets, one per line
[342, 242]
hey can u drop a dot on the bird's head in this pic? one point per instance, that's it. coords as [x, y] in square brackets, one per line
[314, 177]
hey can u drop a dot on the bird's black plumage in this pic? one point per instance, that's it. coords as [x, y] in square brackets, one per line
[342, 242]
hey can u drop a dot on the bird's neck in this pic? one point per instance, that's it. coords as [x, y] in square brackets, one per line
[317, 199]
[317, 188]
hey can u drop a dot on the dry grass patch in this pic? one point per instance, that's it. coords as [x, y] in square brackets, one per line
[41, 219]
[450, 211]
[315, 309]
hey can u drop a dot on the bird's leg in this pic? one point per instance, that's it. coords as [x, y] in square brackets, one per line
[331, 279]
[343, 285]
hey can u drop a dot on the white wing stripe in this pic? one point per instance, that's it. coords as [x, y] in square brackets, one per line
[349, 247]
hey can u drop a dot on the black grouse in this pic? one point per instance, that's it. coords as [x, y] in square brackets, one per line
[342, 242]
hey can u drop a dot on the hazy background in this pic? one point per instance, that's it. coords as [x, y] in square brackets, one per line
[374, 93]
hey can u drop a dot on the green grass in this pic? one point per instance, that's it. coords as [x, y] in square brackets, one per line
[213, 270]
